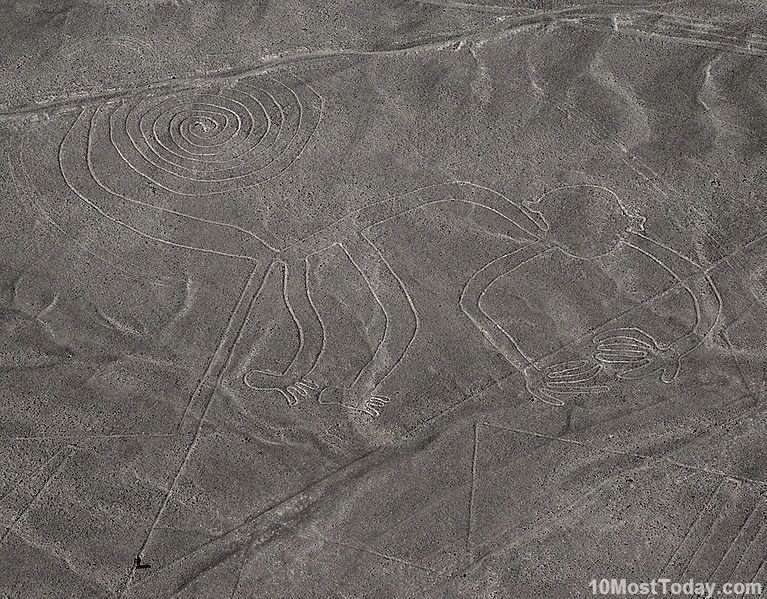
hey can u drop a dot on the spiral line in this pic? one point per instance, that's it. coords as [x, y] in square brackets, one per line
[170, 165]
[207, 141]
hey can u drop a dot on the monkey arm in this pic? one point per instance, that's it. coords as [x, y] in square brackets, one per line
[476, 287]
[694, 280]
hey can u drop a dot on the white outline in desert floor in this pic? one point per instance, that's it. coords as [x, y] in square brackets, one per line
[747, 542]
[22, 182]
[273, 152]
[269, 155]
[624, 353]
[636, 345]
[691, 542]
[248, 296]
[281, 149]
[386, 287]
[631, 348]
[208, 126]
[44, 476]
[632, 352]
[369, 551]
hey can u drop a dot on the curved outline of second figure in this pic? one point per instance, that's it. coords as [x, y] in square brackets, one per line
[622, 353]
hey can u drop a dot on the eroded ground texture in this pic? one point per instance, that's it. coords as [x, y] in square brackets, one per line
[381, 299]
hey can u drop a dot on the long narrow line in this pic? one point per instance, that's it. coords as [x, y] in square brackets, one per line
[37, 494]
[222, 341]
[710, 471]
[746, 385]
[470, 529]
[198, 432]
[367, 550]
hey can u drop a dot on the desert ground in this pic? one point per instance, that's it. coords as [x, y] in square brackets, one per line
[381, 299]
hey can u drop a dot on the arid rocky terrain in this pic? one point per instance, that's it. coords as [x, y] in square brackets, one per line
[380, 299]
